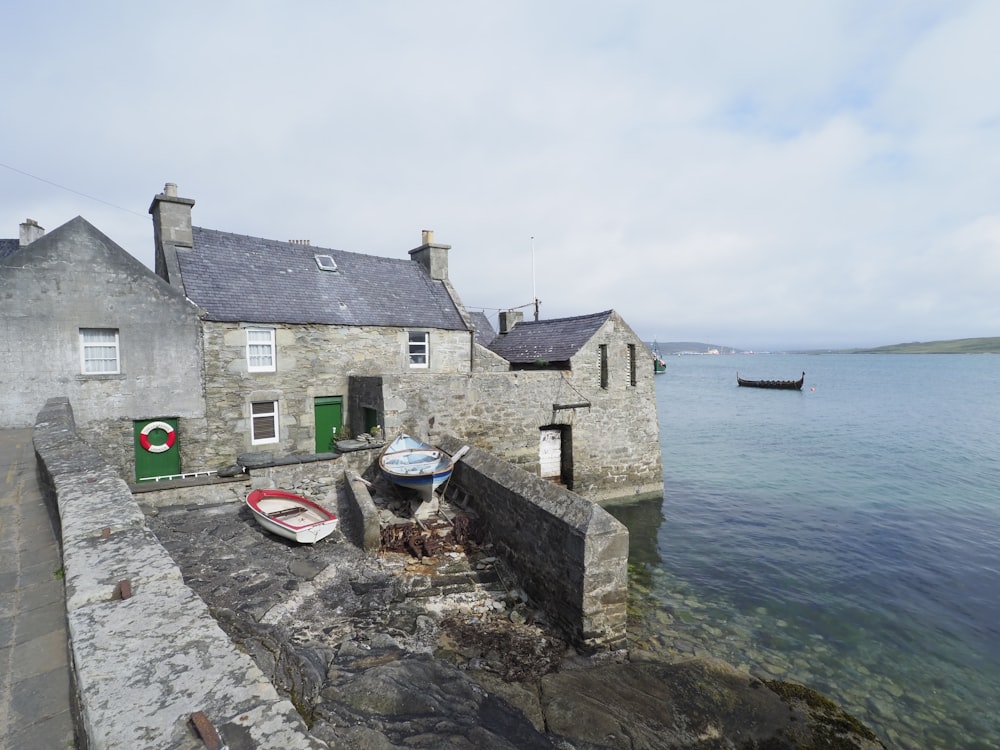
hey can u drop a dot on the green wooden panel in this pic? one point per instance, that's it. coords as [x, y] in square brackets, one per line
[329, 412]
[162, 457]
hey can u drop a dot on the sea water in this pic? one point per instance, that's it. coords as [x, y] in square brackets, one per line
[843, 537]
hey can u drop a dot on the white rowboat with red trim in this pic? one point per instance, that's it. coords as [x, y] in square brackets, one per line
[291, 516]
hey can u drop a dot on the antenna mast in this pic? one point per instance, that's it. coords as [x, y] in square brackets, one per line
[534, 292]
[535, 302]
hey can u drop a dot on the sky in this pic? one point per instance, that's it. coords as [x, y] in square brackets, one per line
[770, 175]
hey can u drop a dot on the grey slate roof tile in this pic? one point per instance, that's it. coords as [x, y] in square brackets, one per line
[554, 340]
[235, 278]
[9, 247]
[484, 329]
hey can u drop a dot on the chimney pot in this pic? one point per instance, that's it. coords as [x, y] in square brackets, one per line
[432, 256]
[170, 189]
[30, 231]
[509, 319]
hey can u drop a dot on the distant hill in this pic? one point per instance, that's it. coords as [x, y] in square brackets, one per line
[954, 346]
[690, 347]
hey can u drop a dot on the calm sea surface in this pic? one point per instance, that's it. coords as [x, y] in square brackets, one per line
[844, 536]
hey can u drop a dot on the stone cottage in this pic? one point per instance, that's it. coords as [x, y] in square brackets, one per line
[304, 345]
[80, 317]
[568, 399]
[242, 345]
[285, 324]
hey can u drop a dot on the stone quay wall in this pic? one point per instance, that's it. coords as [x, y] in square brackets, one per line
[145, 652]
[611, 449]
[569, 554]
[147, 656]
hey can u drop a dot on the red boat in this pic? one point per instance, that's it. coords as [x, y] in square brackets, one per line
[291, 516]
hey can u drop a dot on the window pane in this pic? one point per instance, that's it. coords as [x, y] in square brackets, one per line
[263, 428]
[418, 349]
[260, 349]
[260, 356]
[99, 351]
[264, 422]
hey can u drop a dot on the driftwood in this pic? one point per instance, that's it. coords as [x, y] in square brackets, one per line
[431, 537]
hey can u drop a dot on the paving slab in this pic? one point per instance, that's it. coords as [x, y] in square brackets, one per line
[35, 685]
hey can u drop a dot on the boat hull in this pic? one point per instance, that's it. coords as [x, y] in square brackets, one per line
[414, 465]
[778, 385]
[291, 516]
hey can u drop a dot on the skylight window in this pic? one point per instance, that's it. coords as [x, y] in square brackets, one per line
[326, 263]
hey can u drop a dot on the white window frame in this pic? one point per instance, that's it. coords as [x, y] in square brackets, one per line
[263, 414]
[95, 342]
[419, 348]
[261, 350]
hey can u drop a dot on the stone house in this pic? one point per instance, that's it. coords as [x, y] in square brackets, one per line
[285, 324]
[81, 318]
[303, 345]
[240, 345]
[573, 402]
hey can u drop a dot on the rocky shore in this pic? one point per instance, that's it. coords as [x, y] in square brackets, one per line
[442, 650]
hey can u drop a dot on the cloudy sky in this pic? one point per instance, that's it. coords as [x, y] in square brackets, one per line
[766, 175]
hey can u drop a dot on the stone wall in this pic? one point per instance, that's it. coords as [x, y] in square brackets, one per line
[613, 445]
[148, 655]
[75, 277]
[312, 362]
[569, 554]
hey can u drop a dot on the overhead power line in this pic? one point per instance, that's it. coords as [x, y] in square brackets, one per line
[70, 190]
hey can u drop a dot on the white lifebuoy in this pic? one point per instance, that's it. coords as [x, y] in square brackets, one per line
[144, 437]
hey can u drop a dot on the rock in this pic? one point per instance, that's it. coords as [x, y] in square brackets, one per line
[694, 704]
[255, 460]
[352, 646]
[422, 702]
[232, 470]
[306, 569]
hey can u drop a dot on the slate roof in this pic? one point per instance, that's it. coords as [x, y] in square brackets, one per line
[549, 340]
[236, 278]
[484, 329]
[9, 247]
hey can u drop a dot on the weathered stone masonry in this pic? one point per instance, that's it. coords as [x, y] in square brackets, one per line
[503, 412]
[145, 663]
[160, 653]
[569, 554]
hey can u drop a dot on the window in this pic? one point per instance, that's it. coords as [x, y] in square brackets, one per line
[419, 347]
[264, 422]
[631, 364]
[604, 365]
[326, 263]
[260, 350]
[99, 351]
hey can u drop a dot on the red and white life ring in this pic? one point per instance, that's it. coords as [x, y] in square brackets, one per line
[144, 437]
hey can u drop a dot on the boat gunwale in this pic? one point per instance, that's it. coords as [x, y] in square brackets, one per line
[775, 385]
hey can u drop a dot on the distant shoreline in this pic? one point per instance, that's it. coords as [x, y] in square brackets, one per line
[989, 345]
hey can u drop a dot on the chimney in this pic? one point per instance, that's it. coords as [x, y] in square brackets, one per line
[509, 319]
[171, 218]
[30, 231]
[432, 256]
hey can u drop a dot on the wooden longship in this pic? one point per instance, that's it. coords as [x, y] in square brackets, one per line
[781, 385]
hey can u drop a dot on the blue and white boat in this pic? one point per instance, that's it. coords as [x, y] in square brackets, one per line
[414, 464]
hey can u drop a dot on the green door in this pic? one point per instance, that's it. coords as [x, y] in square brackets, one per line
[157, 450]
[329, 422]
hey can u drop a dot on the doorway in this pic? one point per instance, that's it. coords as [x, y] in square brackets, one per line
[329, 416]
